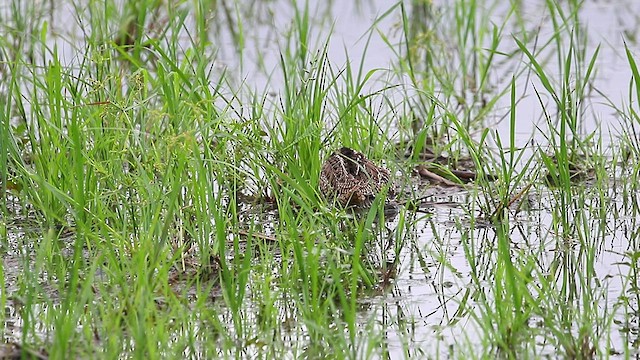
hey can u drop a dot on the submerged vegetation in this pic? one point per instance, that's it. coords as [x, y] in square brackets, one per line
[159, 174]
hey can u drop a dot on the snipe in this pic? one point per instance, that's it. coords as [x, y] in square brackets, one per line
[352, 179]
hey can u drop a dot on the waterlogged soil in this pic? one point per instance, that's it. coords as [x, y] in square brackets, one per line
[432, 286]
[450, 245]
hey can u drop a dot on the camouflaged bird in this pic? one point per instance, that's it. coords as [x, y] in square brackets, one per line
[352, 179]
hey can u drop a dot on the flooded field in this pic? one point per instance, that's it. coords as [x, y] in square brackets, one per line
[160, 166]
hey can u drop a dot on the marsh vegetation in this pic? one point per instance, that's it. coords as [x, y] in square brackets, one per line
[160, 160]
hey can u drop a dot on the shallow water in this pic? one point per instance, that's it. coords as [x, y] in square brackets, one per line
[434, 277]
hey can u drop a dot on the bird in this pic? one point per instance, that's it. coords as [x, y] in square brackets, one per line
[352, 179]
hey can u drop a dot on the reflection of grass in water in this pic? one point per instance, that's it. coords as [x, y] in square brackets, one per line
[147, 155]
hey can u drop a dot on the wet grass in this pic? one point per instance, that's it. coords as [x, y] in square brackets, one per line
[159, 203]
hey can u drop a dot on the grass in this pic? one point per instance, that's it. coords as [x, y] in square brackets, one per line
[158, 202]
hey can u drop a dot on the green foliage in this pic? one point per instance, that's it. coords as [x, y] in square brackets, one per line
[158, 203]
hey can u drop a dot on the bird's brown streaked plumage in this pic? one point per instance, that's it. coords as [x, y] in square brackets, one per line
[352, 179]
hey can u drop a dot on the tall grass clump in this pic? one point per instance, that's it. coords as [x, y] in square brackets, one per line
[324, 264]
[570, 147]
[507, 174]
[570, 156]
[457, 81]
[123, 158]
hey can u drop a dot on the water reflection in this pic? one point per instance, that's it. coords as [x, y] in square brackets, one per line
[442, 284]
